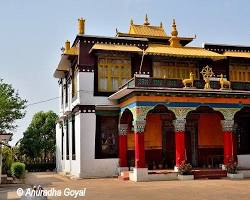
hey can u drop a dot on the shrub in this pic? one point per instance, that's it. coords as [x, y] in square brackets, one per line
[232, 167]
[18, 170]
[185, 168]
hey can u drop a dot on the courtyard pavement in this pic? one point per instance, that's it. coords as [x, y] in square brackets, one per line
[111, 188]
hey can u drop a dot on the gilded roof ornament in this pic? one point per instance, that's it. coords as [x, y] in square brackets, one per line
[174, 30]
[161, 25]
[81, 26]
[174, 40]
[146, 22]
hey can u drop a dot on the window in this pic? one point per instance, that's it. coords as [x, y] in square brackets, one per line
[66, 93]
[62, 141]
[239, 72]
[67, 139]
[73, 139]
[175, 70]
[74, 83]
[113, 72]
[62, 93]
[106, 136]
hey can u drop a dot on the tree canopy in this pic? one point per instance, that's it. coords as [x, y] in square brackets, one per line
[11, 107]
[39, 140]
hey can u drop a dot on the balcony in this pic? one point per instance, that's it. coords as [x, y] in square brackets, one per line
[161, 86]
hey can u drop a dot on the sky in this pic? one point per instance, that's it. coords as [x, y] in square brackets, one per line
[32, 33]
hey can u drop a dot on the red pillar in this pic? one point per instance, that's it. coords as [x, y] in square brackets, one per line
[123, 151]
[180, 150]
[228, 147]
[180, 147]
[123, 129]
[227, 127]
[139, 150]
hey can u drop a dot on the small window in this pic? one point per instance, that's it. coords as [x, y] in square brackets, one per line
[73, 139]
[62, 142]
[67, 139]
[74, 83]
[66, 93]
[62, 94]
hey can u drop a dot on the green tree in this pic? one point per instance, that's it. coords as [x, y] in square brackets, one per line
[11, 107]
[7, 159]
[39, 140]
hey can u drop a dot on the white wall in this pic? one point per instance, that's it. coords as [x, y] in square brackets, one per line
[91, 167]
[86, 91]
[66, 167]
[85, 164]
[58, 148]
[76, 164]
[244, 161]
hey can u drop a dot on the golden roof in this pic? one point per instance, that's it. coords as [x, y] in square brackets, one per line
[194, 52]
[237, 54]
[114, 47]
[146, 29]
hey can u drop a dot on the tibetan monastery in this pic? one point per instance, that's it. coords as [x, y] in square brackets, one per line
[144, 100]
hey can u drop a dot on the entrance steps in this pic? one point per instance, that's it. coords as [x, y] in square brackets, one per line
[152, 175]
[124, 176]
[6, 180]
[209, 173]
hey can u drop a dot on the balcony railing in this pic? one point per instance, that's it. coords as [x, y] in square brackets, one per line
[148, 82]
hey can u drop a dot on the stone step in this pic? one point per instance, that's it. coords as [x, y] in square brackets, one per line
[6, 180]
[123, 178]
[125, 173]
[209, 174]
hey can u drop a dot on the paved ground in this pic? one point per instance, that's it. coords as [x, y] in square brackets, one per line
[125, 190]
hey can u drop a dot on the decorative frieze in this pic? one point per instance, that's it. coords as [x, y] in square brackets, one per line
[84, 109]
[227, 125]
[179, 125]
[123, 128]
[139, 126]
[85, 68]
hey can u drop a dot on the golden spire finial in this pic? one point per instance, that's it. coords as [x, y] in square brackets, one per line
[81, 25]
[174, 32]
[131, 21]
[174, 40]
[146, 22]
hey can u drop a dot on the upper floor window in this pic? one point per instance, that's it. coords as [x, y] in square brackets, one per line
[62, 93]
[66, 93]
[74, 82]
[175, 70]
[113, 72]
[239, 72]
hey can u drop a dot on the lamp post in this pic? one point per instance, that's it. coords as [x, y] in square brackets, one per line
[4, 139]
